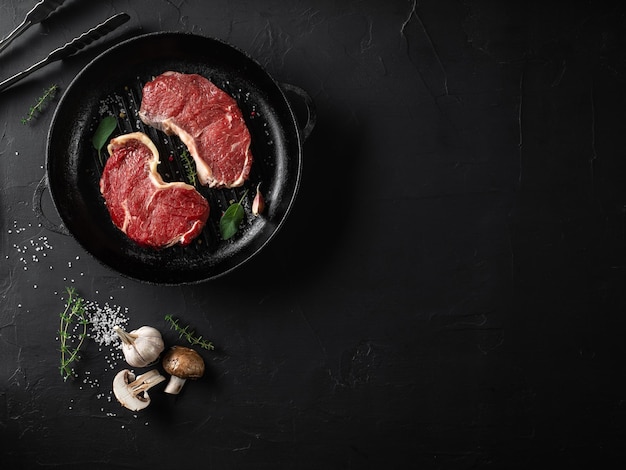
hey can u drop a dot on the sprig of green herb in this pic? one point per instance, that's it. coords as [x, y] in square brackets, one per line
[190, 168]
[188, 334]
[41, 103]
[73, 318]
[231, 218]
[102, 134]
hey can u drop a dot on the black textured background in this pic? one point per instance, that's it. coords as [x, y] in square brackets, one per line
[448, 292]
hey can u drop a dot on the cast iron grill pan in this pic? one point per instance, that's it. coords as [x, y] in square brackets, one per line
[112, 85]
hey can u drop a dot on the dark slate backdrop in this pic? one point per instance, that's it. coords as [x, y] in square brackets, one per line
[448, 292]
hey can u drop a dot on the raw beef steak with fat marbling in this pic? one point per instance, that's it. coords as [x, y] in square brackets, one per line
[148, 210]
[206, 119]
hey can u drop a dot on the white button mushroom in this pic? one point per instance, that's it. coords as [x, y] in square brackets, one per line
[182, 363]
[141, 347]
[132, 392]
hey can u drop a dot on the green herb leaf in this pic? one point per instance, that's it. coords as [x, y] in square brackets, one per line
[102, 134]
[230, 221]
[231, 218]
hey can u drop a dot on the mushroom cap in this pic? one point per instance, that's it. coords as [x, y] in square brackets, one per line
[183, 362]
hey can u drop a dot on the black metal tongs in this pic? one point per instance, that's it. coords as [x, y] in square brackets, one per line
[40, 12]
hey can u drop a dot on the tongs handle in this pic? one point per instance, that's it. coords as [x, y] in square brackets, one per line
[37, 14]
[88, 37]
[71, 47]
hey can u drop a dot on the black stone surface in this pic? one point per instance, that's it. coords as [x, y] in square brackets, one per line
[448, 292]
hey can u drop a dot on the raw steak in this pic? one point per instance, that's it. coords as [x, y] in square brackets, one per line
[148, 210]
[206, 119]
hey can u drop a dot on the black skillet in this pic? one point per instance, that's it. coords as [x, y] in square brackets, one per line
[111, 85]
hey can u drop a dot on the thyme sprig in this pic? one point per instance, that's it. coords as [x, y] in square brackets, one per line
[72, 331]
[188, 334]
[41, 103]
[189, 167]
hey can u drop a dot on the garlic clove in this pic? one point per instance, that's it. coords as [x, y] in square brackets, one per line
[258, 203]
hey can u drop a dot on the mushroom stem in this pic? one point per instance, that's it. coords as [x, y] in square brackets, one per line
[175, 385]
[146, 381]
[125, 337]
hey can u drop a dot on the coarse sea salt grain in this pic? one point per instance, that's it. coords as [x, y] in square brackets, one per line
[102, 321]
[30, 250]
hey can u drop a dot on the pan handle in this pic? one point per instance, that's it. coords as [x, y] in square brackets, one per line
[43, 220]
[311, 112]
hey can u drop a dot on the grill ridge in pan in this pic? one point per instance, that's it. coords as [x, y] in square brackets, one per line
[111, 85]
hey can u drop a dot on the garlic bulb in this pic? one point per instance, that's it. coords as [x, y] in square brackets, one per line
[141, 347]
